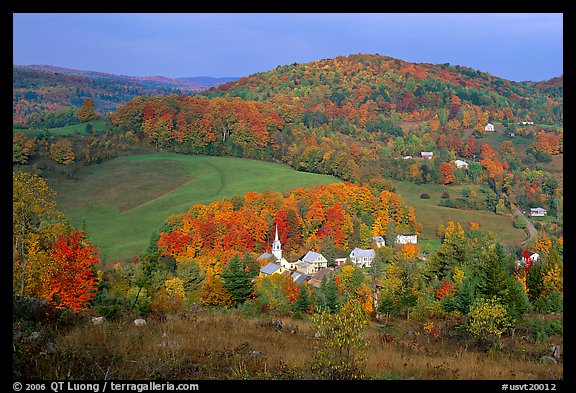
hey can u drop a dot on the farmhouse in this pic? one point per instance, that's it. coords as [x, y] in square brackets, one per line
[427, 155]
[379, 240]
[410, 238]
[339, 261]
[489, 127]
[533, 258]
[362, 258]
[304, 268]
[537, 212]
[460, 164]
[315, 259]
[271, 268]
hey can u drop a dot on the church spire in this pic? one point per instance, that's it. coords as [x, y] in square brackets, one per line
[277, 246]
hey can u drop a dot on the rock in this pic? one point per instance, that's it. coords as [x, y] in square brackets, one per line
[139, 322]
[555, 349]
[256, 353]
[548, 360]
[317, 335]
[35, 335]
[98, 320]
[277, 324]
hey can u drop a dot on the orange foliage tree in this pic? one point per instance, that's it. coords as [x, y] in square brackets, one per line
[72, 281]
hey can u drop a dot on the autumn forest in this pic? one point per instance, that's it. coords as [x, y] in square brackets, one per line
[456, 157]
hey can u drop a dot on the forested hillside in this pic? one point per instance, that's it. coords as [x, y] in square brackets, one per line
[367, 116]
[41, 89]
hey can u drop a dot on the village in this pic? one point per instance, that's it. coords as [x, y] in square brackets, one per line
[313, 266]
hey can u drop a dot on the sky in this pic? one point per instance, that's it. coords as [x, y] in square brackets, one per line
[518, 47]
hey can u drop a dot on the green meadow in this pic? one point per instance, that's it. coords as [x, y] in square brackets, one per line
[98, 125]
[123, 201]
[431, 215]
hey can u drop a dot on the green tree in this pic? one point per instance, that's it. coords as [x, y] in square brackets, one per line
[331, 295]
[86, 112]
[35, 221]
[22, 147]
[488, 317]
[391, 234]
[302, 304]
[342, 347]
[237, 281]
[493, 274]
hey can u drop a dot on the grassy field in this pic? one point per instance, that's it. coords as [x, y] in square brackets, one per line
[99, 126]
[232, 346]
[122, 201]
[431, 215]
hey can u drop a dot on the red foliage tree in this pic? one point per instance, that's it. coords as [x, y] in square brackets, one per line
[72, 282]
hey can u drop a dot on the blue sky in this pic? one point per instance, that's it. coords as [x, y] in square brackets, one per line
[518, 47]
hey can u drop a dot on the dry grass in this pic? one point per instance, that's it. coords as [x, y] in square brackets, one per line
[222, 346]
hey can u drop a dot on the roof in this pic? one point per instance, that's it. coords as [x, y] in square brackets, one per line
[537, 209]
[323, 272]
[300, 279]
[360, 253]
[406, 234]
[270, 268]
[460, 162]
[312, 256]
[266, 255]
[427, 153]
[303, 264]
[377, 238]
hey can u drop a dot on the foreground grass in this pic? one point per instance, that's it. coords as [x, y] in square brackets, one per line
[213, 345]
[123, 201]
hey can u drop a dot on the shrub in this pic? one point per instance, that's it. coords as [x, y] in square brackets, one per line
[342, 346]
[445, 195]
[424, 196]
[488, 318]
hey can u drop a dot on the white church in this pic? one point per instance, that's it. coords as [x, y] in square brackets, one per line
[277, 254]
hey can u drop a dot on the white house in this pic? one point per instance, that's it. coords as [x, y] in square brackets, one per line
[305, 268]
[379, 240]
[537, 212]
[489, 127]
[460, 164]
[427, 155]
[339, 261]
[362, 258]
[410, 238]
[533, 258]
[524, 123]
[315, 259]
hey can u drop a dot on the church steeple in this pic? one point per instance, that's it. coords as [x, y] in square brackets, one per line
[277, 246]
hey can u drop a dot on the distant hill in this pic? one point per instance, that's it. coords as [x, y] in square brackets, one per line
[208, 81]
[43, 88]
[385, 85]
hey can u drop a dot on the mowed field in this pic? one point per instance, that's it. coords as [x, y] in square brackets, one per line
[123, 201]
[431, 215]
[98, 125]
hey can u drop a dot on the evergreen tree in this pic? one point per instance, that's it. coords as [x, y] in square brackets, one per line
[391, 234]
[303, 302]
[237, 281]
[332, 298]
[494, 278]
